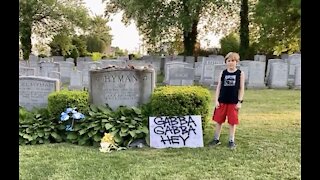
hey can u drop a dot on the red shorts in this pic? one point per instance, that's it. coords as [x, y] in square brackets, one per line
[226, 110]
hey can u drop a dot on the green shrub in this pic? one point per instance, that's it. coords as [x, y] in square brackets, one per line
[229, 43]
[37, 127]
[96, 56]
[181, 101]
[60, 100]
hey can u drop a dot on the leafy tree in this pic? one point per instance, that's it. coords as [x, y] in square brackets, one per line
[160, 21]
[42, 48]
[278, 23]
[61, 45]
[229, 43]
[74, 53]
[98, 36]
[98, 27]
[48, 17]
[119, 52]
[80, 43]
[67, 45]
[95, 44]
[176, 46]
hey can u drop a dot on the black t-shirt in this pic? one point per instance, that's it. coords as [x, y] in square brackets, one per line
[230, 85]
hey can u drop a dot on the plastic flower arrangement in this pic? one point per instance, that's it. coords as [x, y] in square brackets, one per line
[108, 144]
[71, 114]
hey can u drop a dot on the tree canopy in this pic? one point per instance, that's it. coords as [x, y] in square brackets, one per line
[161, 21]
[278, 23]
[48, 17]
[98, 35]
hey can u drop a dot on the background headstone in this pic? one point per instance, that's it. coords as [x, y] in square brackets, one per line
[278, 77]
[34, 91]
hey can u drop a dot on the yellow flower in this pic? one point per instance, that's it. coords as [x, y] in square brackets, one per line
[108, 138]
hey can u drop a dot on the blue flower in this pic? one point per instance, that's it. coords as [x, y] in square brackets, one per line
[69, 110]
[77, 116]
[64, 116]
[71, 113]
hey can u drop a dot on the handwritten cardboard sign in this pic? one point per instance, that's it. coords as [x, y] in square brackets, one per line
[176, 131]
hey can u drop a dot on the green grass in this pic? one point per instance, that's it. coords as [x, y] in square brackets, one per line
[268, 147]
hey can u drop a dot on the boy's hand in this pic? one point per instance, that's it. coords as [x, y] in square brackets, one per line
[238, 106]
[217, 104]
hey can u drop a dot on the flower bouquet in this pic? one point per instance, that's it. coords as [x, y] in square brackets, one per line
[71, 114]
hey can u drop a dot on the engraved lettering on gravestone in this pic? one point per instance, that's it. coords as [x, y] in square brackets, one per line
[120, 90]
[34, 93]
[120, 87]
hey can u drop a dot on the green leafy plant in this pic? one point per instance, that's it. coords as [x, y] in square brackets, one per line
[37, 127]
[25, 116]
[91, 131]
[127, 125]
[124, 124]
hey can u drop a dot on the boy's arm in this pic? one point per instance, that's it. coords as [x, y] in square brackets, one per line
[218, 89]
[241, 90]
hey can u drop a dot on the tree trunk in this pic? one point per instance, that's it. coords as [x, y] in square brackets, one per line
[244, 30]
[189, 39]
[26, 39]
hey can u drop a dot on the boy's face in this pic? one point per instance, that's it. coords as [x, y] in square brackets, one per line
[231, 62]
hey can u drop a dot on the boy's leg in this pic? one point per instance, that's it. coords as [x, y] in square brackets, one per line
[233, 120]
[232, 131]
[219, 116]
[217, 131]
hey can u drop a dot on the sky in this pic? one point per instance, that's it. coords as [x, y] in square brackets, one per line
[124, 37]
[127, 37]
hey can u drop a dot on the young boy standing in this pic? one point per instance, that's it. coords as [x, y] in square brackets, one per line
[228, 99]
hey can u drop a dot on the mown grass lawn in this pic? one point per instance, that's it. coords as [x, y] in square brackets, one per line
[268, 147]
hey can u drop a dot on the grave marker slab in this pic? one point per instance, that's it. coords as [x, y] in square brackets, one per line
[34, 91]
[116, 87]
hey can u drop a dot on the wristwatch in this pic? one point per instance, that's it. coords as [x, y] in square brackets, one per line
[240, 101]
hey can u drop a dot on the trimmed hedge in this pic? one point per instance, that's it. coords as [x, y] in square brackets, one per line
[181, 101]
[60, 100]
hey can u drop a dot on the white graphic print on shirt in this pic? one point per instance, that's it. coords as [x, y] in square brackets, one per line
[230, 80]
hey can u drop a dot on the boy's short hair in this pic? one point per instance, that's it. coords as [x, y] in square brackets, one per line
[232, 55]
